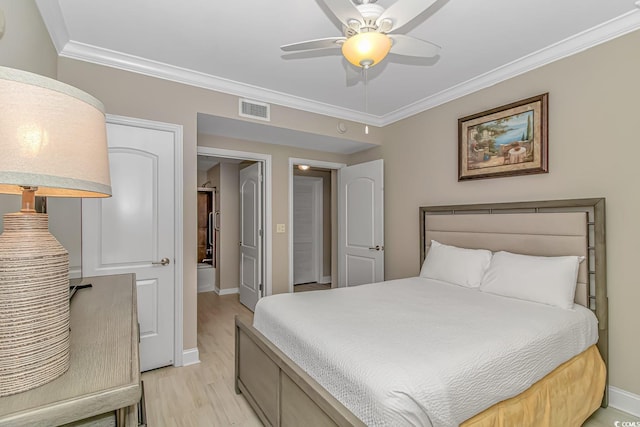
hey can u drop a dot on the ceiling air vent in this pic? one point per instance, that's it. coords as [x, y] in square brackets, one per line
[255, 110]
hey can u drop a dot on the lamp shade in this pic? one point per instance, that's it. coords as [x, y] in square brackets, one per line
[56, 135]
[366, 49]
[53, 142]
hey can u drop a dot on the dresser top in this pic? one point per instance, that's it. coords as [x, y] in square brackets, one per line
[104, 372]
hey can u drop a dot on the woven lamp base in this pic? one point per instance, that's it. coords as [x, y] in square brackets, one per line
[34, 304]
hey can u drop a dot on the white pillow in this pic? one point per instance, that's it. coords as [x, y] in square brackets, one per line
[547, 280]
[460, 266]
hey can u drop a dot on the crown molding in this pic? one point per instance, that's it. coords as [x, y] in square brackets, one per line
[56, 26]
[122, 61]
[54, 21]
[602, 33]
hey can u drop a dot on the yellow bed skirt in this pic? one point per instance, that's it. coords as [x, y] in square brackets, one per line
[565, 397]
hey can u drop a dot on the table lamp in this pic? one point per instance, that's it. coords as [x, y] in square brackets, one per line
[53, 142]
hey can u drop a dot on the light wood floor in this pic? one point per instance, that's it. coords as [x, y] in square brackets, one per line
[203, 394]
[311, 287]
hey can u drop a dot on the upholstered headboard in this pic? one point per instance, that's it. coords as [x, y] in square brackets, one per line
[549, 234]
[545, 228]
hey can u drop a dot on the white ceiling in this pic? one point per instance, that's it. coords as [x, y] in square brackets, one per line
[233, 47]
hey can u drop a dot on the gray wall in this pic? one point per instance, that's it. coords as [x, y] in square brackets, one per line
[26, 44]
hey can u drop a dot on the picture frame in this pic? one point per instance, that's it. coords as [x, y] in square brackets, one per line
[505, 141]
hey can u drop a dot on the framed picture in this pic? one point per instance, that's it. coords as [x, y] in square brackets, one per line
[505, 141]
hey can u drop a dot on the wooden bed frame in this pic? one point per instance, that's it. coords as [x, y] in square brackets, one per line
[282, 394]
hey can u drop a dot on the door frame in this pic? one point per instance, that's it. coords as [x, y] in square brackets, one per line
[178, 195]
[317, 184]
[266, 205]
[314, 163]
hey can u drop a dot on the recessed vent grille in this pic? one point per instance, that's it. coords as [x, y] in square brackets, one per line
[255, 110]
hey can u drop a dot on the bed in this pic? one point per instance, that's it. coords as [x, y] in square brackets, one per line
[283, 383]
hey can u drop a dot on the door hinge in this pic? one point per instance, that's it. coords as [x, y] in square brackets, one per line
[260, 287]
[260, 178]
[260, 232]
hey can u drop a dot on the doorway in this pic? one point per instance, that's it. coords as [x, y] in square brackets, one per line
[207, 229]
[313, 218]
[311, 228]
[308, 227]
[228, 234]
[357, 231]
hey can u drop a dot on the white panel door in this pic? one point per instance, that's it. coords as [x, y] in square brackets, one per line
[251, 235]
[361, 224]
[132, 232]
[307, 229]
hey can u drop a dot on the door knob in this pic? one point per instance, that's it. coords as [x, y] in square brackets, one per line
[375, 248]
[163, 261]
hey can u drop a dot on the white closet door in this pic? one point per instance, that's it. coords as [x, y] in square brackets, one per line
[307, 229]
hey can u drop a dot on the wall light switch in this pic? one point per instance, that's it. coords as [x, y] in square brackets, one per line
[280, 228]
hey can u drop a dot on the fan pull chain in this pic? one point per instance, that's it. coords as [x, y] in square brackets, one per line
[366, 97]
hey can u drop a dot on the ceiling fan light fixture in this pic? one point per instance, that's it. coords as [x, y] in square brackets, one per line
[366, 49]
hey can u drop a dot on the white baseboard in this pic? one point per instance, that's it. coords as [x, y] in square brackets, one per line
[75, 272]
[624, 400]
[190, 356]
[227, 291]
[209, 287]
[325, 279]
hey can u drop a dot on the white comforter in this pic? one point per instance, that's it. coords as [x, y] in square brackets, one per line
[421, 352]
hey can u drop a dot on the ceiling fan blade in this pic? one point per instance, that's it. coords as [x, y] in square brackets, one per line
[410, 46]
[344, 10]
[403, 11]
[327, 43]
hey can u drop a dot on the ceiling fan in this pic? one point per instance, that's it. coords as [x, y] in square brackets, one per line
[368, 28]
